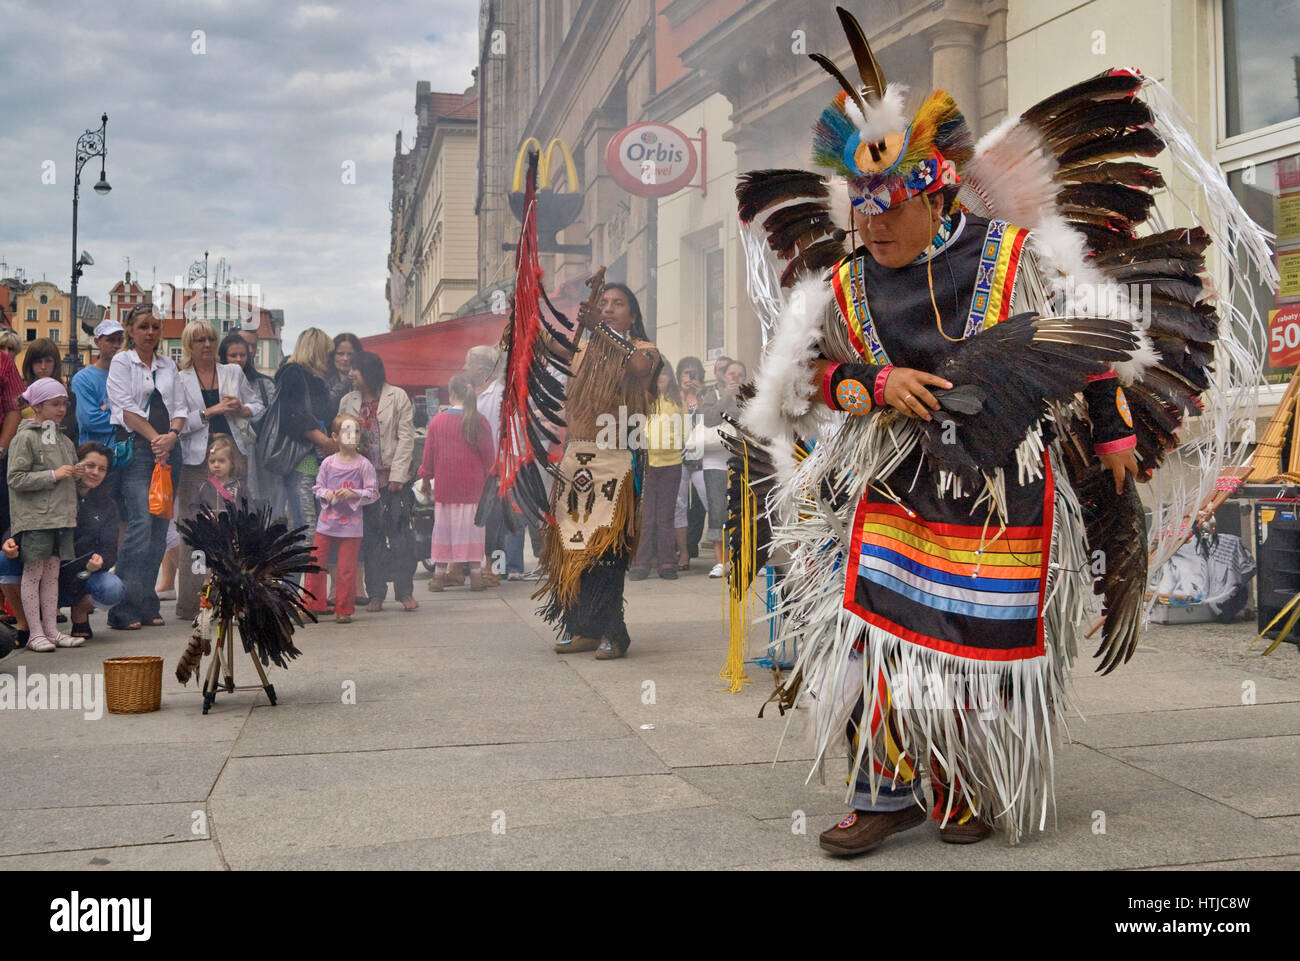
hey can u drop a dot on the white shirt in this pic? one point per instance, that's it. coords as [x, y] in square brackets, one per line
[231, 382]
[489, 405]
[131, 382]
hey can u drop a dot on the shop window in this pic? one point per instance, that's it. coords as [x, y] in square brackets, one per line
[714, 303]
[1261, 64]
[1270, 192]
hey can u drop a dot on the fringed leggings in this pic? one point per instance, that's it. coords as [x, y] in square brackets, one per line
[898, 779]
[40, 594]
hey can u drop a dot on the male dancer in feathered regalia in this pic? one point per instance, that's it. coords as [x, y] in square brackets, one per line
[979, 425]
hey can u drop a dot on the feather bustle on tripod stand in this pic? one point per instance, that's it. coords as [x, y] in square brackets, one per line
[249, 559]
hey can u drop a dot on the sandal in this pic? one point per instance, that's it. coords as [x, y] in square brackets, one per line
[41, 644]
[82, 629]
[374, 607]
[410, 604]
[154, 622]
[133, 626]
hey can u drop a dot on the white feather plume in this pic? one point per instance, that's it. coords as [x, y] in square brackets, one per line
[784, 388]
[883, 117]
[1012, 172]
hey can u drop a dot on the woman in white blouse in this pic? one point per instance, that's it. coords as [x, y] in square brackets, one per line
[219, 400]
[147, 408]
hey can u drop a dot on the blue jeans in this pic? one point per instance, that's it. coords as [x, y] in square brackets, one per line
[301, 507]
[300, 502]
[104, 587]
[515, 546]
[142, 547]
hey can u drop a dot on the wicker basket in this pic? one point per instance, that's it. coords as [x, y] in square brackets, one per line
[133, 685]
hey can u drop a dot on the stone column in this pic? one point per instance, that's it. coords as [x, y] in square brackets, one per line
[953, 53]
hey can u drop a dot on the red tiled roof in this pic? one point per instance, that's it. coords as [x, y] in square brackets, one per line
[453, 106]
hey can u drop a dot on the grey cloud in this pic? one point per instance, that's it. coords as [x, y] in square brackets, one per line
[238, 151]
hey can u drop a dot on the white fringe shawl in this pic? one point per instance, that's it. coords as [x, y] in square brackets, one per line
[1003, 749]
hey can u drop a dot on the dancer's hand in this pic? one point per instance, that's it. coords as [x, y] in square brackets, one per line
[905, 391]
[588, 315]
[1120, 463]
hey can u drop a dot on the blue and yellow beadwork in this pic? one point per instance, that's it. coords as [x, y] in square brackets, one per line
[853, 396]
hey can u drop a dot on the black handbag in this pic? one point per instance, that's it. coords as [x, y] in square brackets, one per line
[277, 450]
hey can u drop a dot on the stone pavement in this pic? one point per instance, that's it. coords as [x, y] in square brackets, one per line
[471, 745]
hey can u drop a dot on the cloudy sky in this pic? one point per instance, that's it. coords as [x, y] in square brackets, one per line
[239, 150]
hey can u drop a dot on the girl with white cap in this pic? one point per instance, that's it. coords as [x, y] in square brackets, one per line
[43, 509]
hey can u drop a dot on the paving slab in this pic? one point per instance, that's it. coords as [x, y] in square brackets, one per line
[450, 767]
[59, 777]
[771, 792]
[732, 741]
[1122, 693]
[1255, 775]
[1194, 725]
[1147, 822]
[46, 830]
[663, 840]
[358, 815]
[519, 708]
[186, 856]
[179, 719]
[1283, 862]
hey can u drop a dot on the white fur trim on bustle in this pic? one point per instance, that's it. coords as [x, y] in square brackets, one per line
[784, 391]
[1012, 173]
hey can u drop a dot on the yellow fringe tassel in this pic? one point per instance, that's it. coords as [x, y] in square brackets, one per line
[738, 596]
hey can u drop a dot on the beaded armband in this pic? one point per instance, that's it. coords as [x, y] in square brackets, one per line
[852, 396]
[618, 340]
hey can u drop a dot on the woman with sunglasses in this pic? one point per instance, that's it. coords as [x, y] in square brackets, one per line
[219, 400]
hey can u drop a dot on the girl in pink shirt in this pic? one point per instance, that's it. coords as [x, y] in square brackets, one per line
[345, 483]
[458, 454]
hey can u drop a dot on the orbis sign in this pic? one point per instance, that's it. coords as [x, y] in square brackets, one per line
[651, 159]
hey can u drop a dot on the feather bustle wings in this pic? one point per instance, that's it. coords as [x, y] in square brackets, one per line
[1092, 130]
[537, 352]
[799, 224]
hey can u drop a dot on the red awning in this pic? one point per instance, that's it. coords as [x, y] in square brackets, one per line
[429, 356]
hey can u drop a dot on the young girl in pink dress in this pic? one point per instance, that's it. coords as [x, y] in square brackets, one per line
[345, 483]
[458, 454]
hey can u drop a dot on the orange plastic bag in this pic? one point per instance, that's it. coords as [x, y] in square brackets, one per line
[160, 492]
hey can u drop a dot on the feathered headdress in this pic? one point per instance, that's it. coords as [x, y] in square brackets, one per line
[865, 137]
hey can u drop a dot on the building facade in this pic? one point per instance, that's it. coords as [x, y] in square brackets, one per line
[433, 267]
[40, 310]
[126, 294]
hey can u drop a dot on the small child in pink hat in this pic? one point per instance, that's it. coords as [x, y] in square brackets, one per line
[43, 472]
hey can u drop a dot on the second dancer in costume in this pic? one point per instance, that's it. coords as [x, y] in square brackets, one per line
[595, 500]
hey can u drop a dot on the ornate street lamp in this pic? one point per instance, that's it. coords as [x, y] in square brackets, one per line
[92, 143]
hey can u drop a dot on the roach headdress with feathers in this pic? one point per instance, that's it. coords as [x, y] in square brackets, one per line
[865, 137]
